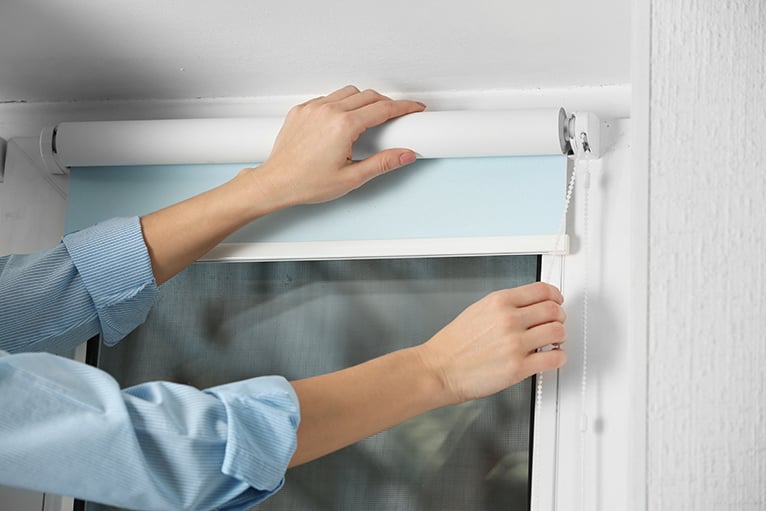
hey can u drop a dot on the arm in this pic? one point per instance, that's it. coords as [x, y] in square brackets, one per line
[102, 280]
[98, 280]
[490, 346]
[310, 163]
[68, 429]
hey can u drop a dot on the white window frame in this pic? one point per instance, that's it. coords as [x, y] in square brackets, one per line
[603, 467]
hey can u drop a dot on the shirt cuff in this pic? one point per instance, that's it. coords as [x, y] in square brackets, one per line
[262, 416]
[113, 262]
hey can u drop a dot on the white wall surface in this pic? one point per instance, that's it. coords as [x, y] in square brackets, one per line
[32, 205]
[707, 312]
[170, 49]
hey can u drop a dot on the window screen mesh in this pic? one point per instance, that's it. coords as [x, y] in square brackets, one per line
[216, 323]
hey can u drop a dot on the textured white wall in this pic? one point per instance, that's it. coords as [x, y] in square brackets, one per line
[707, 318]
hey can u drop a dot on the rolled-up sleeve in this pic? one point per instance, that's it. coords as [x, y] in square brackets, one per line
[67, 428]
[98, 280]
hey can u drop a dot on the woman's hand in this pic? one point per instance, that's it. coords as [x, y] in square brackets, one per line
[311, 158]
[494, 343]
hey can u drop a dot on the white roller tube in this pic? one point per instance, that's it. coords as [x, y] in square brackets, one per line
[184, 141]
[471, 133]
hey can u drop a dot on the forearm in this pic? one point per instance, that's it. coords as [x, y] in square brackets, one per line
[182, 233]
[69, 429]
[97, 280]
[346, 406]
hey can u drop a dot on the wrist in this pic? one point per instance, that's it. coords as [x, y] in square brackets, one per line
[264, 194]
[433, 377]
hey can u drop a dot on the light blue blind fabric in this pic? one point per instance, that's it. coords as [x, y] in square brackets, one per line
[455, 197]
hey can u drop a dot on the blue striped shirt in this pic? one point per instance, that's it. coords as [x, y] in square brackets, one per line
[67, 428]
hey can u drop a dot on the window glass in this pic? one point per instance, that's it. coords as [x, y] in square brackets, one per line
[220, 322]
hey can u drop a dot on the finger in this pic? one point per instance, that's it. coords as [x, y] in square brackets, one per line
[361, 99]
[382, 162]
[541, 312]
[542, 361]
[536, 292]
[379, 112]
[337, 95]
[544, 335]
[340, 94]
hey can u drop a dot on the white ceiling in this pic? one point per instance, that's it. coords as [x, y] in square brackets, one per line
[52, 50]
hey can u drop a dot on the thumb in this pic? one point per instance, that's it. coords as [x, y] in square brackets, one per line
[383, 162]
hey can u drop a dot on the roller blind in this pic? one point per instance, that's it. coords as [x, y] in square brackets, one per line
[479, 174]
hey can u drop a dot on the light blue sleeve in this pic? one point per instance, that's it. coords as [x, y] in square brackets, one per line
[98, 280]
[66, 428]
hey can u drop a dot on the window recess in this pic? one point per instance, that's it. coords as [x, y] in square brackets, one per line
[321, 287]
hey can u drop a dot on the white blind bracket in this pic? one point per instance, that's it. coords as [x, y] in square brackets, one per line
[584, 135]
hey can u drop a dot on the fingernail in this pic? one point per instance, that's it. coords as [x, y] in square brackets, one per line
[421, 104]
[407, 158]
